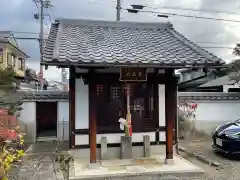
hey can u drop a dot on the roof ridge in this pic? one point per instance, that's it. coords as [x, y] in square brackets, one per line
[153, 25]
[193, 46]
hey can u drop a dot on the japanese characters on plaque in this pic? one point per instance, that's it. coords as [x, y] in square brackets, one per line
[133, 74]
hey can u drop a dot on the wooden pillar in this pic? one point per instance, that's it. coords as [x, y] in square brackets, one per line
[92, 118]
[72, 90]
[171, 110]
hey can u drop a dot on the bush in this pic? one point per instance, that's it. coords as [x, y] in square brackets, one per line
[11, 143]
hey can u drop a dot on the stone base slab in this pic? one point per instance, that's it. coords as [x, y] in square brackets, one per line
[114, 168]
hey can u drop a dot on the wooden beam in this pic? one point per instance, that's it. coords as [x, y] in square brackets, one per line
[92, 119]
[72, 96]
[171, 110]
[114, 77]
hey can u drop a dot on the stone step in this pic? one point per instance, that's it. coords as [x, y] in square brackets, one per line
[47, 139]
[143, 176]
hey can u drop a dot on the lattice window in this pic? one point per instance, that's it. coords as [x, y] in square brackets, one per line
[151, 104]
[100, 88]
[138, 105]
[115, 93]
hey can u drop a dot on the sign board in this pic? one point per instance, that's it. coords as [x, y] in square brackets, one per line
[133, 74]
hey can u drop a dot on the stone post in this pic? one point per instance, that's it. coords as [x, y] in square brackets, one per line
[126, 147]
[103, 148]
[146, 145]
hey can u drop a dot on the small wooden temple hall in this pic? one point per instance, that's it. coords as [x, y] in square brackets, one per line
[110, 61]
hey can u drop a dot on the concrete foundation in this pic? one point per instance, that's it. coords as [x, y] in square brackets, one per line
[134, 167]
[169, 161]
[115, 152]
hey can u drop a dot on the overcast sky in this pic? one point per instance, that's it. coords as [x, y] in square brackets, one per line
[221, 33]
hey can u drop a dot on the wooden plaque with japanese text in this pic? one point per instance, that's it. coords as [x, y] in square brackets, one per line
[133, 74]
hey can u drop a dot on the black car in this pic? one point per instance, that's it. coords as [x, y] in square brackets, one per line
[226, 138]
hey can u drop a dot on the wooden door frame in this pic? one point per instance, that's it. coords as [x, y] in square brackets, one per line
[46, 101]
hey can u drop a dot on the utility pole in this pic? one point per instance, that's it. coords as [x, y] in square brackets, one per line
[42, 4]
[118, 9]
[41, 43]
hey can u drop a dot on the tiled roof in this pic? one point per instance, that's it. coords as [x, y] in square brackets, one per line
[4, 38]
[45, 95]
[224, 80]
[88, 42]
[208, 96]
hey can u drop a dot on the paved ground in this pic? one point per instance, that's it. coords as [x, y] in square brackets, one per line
[230, 165]
[35, 165]
[40, 167]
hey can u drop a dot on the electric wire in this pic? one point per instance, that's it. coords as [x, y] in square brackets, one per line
[183, 15]
[192, 9]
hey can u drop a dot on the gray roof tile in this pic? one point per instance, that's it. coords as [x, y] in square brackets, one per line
[90, 42]
[208, 96]
[224, 80]
[45, 95]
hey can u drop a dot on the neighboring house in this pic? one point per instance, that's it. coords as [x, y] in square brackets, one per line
[11, 56]
[214, 80]
[226, 80]
[97, 99]
[190, 79]
[191, 73]
[31, 81]
[222, 84]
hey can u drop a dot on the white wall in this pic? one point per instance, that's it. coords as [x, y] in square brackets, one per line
[63, 121]
[82, 105]
[28, 114]
[63, 111]
[210, 114]
[161, 100]
[27, 120]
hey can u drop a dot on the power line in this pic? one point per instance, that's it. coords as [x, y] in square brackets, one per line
[196, 10]
[24, 38]
[181, 15]
[216, 47]
[211, 42]
[25, 32]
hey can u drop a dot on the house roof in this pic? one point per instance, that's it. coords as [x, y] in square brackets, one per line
[103, 43]
[7, 37]
[45, 95]
[224, 80]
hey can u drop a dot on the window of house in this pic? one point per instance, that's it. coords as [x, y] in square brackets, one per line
[13, 60]
[9, 59]
[21, 63]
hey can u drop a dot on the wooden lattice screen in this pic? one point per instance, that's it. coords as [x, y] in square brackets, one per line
[111, 105]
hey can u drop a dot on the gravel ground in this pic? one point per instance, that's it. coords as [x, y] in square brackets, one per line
[230, 165]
